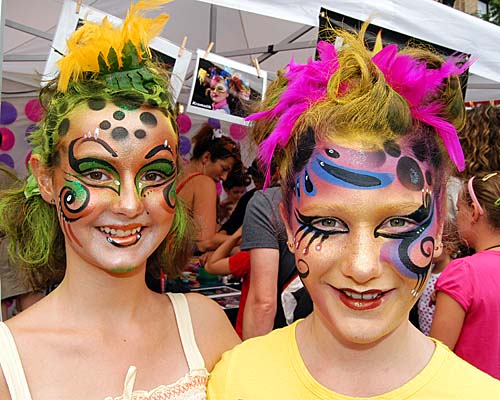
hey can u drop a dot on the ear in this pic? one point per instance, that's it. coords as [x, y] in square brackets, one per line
[475, 212]
[206, 157]
[438, 244]
[289, 234]
[43, 178]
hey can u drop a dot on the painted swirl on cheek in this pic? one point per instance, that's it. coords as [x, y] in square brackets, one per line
[398, 254]
[74, 199]
[170, 195]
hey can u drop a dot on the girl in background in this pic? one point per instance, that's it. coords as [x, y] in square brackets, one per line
[214, 156]
[467, 316]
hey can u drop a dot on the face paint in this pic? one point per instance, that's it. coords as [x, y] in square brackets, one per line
[363, 226]
[117, 194]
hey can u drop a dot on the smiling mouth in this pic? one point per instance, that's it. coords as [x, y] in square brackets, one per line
[122, 237]
[362, 301]
[363, 296]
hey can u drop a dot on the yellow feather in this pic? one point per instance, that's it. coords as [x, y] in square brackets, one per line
[378, 43]
[90, 40]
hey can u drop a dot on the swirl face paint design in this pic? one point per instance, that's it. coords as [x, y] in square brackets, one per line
[114, 190]
[409, 246]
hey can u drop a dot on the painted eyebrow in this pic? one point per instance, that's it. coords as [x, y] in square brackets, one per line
[157, 149]
[106, 146]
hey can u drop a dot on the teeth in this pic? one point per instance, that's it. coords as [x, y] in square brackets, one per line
[119, 232]
[362, 296]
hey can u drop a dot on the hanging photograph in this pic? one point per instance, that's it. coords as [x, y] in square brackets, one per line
[223, 88]
[163, 50]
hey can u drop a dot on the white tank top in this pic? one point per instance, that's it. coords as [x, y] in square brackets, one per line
[191, 386]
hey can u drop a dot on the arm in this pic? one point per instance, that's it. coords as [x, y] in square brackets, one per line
[448, 320]
[205, 213]
[218, 262]
[260, 308]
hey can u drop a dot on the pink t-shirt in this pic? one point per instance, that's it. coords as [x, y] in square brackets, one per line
[474, 282]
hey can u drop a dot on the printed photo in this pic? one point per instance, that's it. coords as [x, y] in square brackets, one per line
[223, 88]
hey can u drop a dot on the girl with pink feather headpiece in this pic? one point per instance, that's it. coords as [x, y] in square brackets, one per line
[364, 141]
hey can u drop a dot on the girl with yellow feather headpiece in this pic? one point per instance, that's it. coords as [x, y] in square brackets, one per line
[98, 210]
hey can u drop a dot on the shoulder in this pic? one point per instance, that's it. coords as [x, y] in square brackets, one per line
[262, 351]
[258, 365]
[465, 380]
[213, 332]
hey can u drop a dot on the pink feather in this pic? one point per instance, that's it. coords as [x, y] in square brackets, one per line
[417, 84]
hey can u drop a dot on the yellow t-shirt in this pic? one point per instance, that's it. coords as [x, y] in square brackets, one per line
[270, 367]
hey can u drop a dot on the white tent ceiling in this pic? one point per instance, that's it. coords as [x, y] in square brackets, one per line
[256, 24]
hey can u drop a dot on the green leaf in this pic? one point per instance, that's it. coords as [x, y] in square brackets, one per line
[129, 56]
[103, 67]
[113, 60]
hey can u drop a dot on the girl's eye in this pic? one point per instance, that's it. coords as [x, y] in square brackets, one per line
[153, 177]
[97, 176]
[398, 222]
[328, 224]
[397, 225]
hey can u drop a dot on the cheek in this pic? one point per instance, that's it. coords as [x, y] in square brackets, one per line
[159, 201]
[412, 256]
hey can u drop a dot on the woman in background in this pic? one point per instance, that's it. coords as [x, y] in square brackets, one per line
[214, 156]
[467, 316]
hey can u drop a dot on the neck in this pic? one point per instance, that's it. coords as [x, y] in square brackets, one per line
[220, 104]
[105, 298]
[348, 363]
[192, 167]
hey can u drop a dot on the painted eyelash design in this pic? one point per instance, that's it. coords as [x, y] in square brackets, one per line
[307, 228]
[424, 217]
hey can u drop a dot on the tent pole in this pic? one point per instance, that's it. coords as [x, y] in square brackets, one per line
[213, 26]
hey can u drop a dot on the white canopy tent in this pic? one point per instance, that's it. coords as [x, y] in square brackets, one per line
[273, 30]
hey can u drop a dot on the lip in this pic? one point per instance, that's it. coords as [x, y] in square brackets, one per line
[362, 301]
[122, 235]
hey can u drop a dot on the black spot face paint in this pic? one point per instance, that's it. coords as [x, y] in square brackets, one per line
[119, 133]
[332, 153]
[428, 178]
[392, 148]
[96, 103]
[140, 133]
[148, 118]
[410, 174]
[63, 127]
[105, 124]
[118, 115]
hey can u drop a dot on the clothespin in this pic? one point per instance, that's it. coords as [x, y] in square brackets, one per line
[208, 50]
[183, 46]
[78, 5]
[255, 63]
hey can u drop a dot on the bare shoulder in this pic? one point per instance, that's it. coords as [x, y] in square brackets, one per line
[4, 390]
[213, 331]
[202, 183]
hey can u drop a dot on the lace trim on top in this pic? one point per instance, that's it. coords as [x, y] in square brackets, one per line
[191, 386]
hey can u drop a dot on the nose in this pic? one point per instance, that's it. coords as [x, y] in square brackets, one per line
[224, 175]
[363, 262]
[129, 202]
